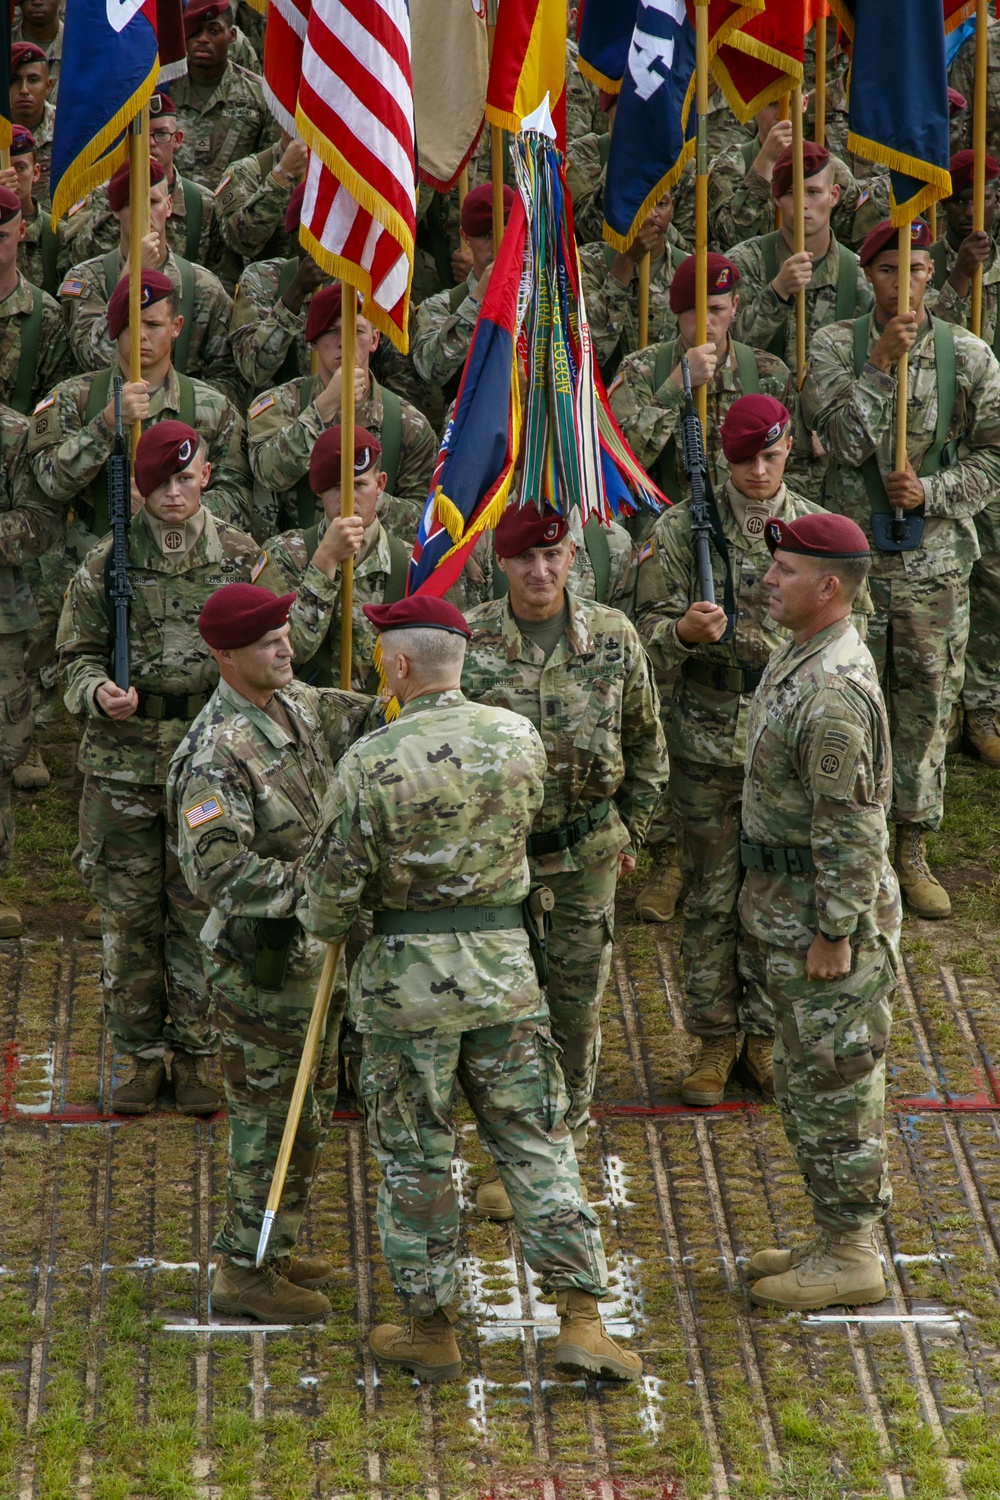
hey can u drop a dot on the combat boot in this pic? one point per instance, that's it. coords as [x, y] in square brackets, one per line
[982, 735]
[583, 1344]
[772, 1262]
[310, 1271]
[492, 1201]
[657, 901]
[923, 894]
[11, 925]
[194, 1091]
[427, 1347]
[265, 1294]
[706, 1082]
[32, 773]
[844, 1266]
[757, 1054]
[90, 927]
[139, 1090]
[955, 723]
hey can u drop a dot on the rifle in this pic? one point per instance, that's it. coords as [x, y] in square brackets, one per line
[696, 468]
[117, 585]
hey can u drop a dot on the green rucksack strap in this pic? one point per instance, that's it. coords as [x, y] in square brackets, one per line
[392, 436]
[769, 251]
[97, 396]
[50, 256]
[457, 296]
[604, 147]
[27, 362]
[399, 567]
[183, 344]
[193, 213]
[847, 283]
[749, 151]
[95, 496]
[187, 401]
[595, 539]
[110, 273]
[746, 369]
[939, 260]
[310, 540]
[285, 275]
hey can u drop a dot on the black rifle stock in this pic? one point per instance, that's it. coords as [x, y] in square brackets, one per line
[119, 589]
[696, 468]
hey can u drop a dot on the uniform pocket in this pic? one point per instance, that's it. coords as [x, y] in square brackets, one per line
[390, 1111]
[553, 1099]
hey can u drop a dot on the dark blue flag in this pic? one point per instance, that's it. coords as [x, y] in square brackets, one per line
[605, 34]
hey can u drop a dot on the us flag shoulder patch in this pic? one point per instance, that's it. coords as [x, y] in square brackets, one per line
[44, 404]
[258, 567]
[261, 405]
[224, 183]
[203, 813]
[72, 287]
[646, 550]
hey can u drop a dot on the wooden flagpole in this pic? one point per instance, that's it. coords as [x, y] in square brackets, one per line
[819, 130]
[463, 185]
[138, 203]
[798, 190]
[348, 353]
[979, 160]
[701, 196]
[902, 364]
[496, 157]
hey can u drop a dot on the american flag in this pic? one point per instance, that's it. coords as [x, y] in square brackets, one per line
[355, 112]
[287, 22]
[203, 813]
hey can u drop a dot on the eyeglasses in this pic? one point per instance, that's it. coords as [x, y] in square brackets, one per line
[162, 136]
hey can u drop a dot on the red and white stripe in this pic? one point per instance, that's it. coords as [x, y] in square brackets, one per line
[287, 22]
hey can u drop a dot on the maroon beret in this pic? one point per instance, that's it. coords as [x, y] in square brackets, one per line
[818, 535]
[240, 613]
[956, 102]
[155, 286]
[522, 527]
[962, 168]
[723, 276]
[324, 310]
[164, 449]
[885, 236]
[477, 210]
[25, 52]
[814, 159]
[10, 205]
[118, 185]
[293, 213]
[197, 12]
[161, 103]
[324, 461]
[22, 141]
[751, 424]
[422, 612]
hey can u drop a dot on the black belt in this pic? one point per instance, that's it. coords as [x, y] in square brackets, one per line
[449, 919]
[565, 838]
[776, 861]
[723, 679]
[171, 706]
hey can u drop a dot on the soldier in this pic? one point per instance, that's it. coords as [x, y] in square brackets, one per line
[446, 991]
[578, 672]
[27, 525]
[43, 255]
[583, 112]
[191, 220]
[220, 106]
[445, 322]
[706, 687]
[35, 352]
[252, 198]
[39, 22]
[285, 422]
[203, 343]
[962, 77]
[242, 853]
[647, 396]
[920, 595]
[821, 905]
[956, 256]
[308, 561]
[611, 288]
[155, 996]
[30, 86]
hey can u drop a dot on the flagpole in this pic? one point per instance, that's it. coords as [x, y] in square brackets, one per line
[798, 191]
[783, 108]
[496, 155]
[644, 301]
[348, 349]
[701, 195]
[463, 186]
[902, 364]
[979, 161]
[138, 226]
[819, 131]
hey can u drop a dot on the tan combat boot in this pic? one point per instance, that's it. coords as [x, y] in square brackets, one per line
[492, 1201]
[982, 734]
[427, 1347]
[772, 1262]
[32, 773]
[265, 1295]
[843, 1266]
[90, 927]
[311, 1271]
[140, 1088]
[657, 901]
[583, 1344]
[11, 925]
[923, 894]
[706, 1082]
[757, 1054]
[955, 724]
[194, 1091]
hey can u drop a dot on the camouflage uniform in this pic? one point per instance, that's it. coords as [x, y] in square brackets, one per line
[102, 232]
[650, 416]
[53, 349]
[127, 854]
[441, 336]
[268, 773]
[922, 595]
[268, 340]
[479, 578]
[209, 358]
[282, 435]
[705, 724]
[613, 309]
[30, 261]
[434, 1008]
[232, 123]
[595, 706]
[819, 778]
[43, 133]
[53, 50]
[963, 78]
[250, 206]
[583, 112]
[741, 205]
